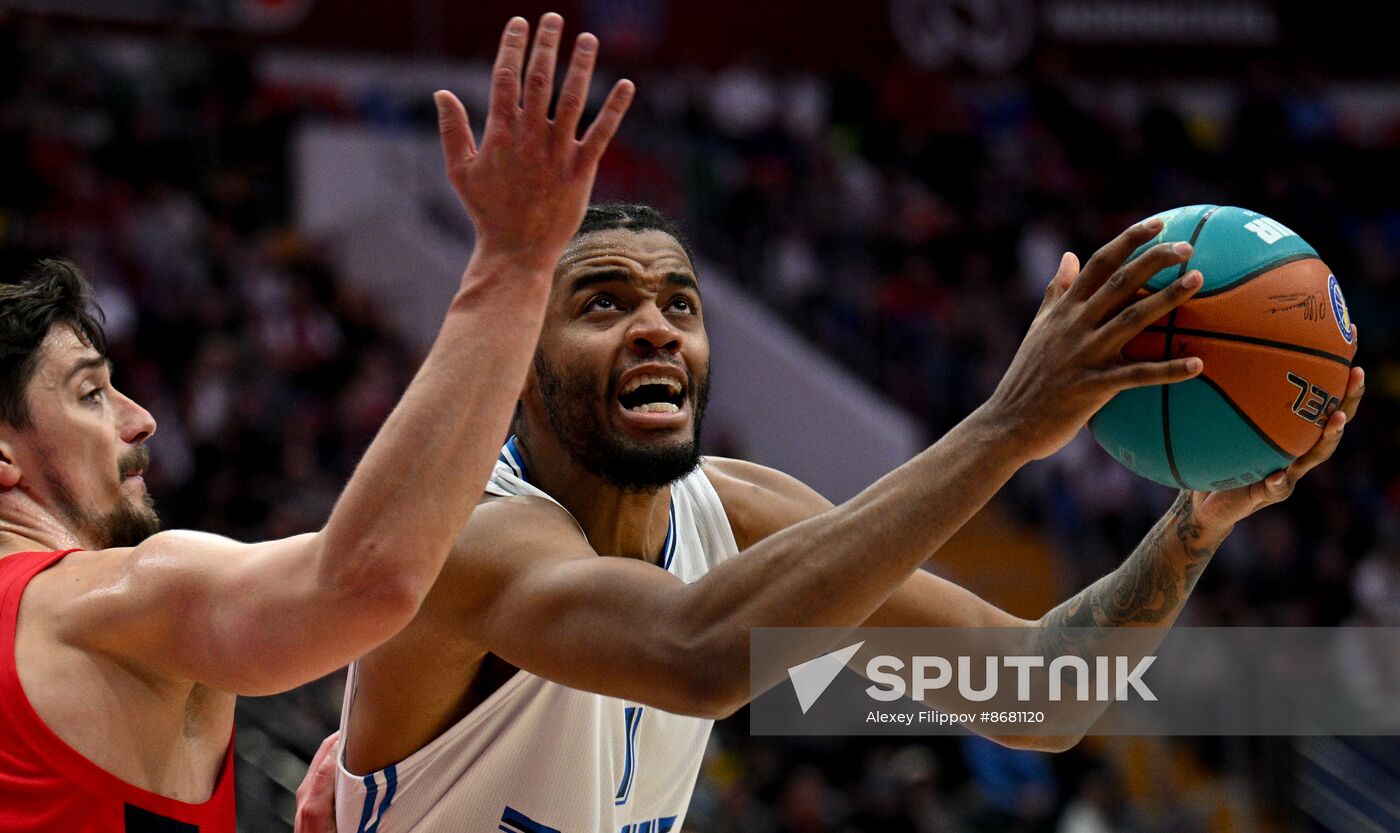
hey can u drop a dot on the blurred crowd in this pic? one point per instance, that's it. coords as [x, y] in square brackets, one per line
[906, 223]
[910, 224]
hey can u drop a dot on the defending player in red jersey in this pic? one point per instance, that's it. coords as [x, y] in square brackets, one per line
[121, 647]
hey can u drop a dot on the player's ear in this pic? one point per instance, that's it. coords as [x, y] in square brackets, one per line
[9, 468]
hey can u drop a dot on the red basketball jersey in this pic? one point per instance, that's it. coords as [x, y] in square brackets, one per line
[45, 785]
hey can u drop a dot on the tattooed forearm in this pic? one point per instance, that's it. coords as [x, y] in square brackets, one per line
[1148, 589]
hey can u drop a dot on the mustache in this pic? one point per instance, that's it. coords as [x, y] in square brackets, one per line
[137, 459]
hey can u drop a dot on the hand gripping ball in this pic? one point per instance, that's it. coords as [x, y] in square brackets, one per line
[1272, 328]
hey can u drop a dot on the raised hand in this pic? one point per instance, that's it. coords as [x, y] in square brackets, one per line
[1221, 510]
[1070, 363]
[526, 187]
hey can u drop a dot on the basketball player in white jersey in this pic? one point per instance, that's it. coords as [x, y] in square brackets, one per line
[593, 619]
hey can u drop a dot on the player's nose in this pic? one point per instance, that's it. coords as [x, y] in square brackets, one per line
[650, 330]
[137, 425]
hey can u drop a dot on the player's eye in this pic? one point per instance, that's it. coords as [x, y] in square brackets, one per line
[601, 303]
[94, 396]
[683, 305]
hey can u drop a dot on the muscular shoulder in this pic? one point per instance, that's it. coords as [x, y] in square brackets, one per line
[511, 523]
[504, 537]
[760, 501]
[84, 580]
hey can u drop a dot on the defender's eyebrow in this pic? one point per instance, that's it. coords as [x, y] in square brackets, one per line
[87, 364]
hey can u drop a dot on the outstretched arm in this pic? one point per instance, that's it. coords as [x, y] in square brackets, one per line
[261, 618]
[1149, 589]
[1152, 585]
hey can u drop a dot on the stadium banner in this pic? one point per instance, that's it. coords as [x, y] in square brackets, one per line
[962, 38]
[251, 15]
[1071, 682]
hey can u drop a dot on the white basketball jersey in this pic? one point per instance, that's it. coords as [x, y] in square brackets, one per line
[539, 757]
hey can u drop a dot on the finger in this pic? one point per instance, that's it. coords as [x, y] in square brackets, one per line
[315, 796]
[539, 77]
[604, 127]
[574, 93]
[505, 75]
[1064, 276]
[1135, 317]
[1106, 260]
[1356, 388]
[455, 129]
[1332, 431]
[1059, 285]
[1142, 374]
[322, 764]
[1124, 282]
[1274, 488]
[1322, 450]
[324, 759]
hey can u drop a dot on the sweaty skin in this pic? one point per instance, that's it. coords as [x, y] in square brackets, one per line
[574, 596]
[134, 655]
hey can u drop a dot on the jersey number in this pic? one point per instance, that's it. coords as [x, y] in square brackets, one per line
[631, 719]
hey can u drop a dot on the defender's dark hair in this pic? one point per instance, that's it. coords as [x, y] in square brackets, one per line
[606, 216]
[54, 293]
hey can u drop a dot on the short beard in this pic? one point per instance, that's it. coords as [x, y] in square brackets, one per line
[626, 465]
[124, 526]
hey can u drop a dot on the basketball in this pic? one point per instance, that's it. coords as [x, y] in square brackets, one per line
[1272, 328]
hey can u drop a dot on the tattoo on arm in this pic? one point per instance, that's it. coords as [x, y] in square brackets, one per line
[1148, 589]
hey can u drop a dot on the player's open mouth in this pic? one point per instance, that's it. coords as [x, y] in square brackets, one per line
[651, 393]
[653, 398]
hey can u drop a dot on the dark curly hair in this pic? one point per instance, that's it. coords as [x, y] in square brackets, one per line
[55, 292]
[606, 216]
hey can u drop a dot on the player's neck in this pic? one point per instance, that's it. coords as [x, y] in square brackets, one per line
[618, 522]
[25, 526]
[13, 541]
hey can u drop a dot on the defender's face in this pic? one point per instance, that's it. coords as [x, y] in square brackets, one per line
[83, 457]
[623, 358]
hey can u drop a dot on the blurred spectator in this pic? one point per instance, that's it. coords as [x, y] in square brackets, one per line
[1098, 808]
[1018, 787]
[1376, 582]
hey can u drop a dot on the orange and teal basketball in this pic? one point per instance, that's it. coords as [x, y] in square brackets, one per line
[1272, 327]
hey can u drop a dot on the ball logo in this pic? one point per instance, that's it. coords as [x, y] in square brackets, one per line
[1339, 307]
[1270, 231]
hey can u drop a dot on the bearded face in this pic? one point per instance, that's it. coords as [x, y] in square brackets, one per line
[622, 371]
[629, 462]
[131, 520]
[83, 456]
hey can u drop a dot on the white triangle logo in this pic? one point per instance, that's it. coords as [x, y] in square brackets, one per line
[812, 677]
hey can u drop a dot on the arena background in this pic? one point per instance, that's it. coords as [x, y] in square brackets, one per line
[878, 191]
